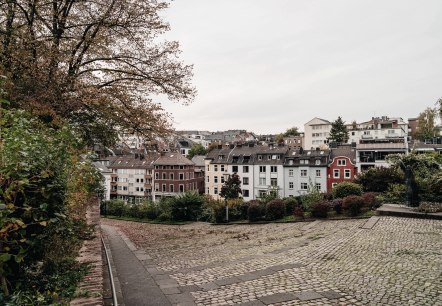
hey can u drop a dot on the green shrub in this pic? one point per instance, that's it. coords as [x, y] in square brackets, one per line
[149, 210]
[320, 210]
[187, 207]
[115, 208]
[346, 189]
[396, 193]
[255, 212]
[290, 204]
[312, 197]
[353, 204]
[275, 210]
[164, 216]
[379, 179]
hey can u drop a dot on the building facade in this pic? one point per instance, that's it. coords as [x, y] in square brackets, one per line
[342, 166]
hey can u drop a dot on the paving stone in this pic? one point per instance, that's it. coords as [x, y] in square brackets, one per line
[277, 298]
[208, 286]
[330, 294]
[167, 283]
[308, 295]
[252, 303]
[180, 298]
[286, 266]
[190, 288]
[264, 272]
[160, 276]
[248, 276]
[370, 222]
[227, 281]
[171, 290]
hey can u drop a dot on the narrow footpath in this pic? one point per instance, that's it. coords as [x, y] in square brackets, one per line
[137, 285]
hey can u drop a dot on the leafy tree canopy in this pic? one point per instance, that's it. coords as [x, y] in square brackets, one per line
[197, 149]
[96, 64]
[426, 126]
[338, 132]
[231, 188]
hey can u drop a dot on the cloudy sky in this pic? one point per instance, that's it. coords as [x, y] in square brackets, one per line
[265, 66]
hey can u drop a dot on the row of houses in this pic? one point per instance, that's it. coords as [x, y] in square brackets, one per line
[278, 169]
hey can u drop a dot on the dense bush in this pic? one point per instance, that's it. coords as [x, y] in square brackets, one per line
[336, 205]
[353, 204]
[256, 211]
[290, 204]
[312, 197]
[370, 200]
[298, 212]
[396, 193]
[320, 209]
[186, 207]
[379, 179]
[275, 210]
[345, 189]
[114, 207]
[45, 186]
[149, 210]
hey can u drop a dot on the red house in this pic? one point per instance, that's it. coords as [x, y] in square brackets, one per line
[342, 167]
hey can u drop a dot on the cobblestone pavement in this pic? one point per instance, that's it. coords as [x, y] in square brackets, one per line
[381, 261]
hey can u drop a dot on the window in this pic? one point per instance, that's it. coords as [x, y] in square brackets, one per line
[164, 187]
[336, 173]
[215, 179]
[222, 167]
[157, 175]
[208, 190]
[215, 168]
[125, 188]
[181, 167]
[222, 179]
[303, 161]
[318, 173]
[245, 169]
[273, 169]
[171, 188]
[181, 176]
[181, 188]
[341, 162]
[208, 179]
[290, 185]
[274, 182]
[290, 172]
[262, 169]
[164, 176]
[220, 157]
[303, 186]
[317, 162]
[304, 172]
[215, 190]
[235, 169]
[334, 185]
[245, 193]
[318, 186]
[347, 173]
[259, 157]
[208, 167]
[245, 180]
[262, 181]
[171, 176]
[262, 193]
[157, 187]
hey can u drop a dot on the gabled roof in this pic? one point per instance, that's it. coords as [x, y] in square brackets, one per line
[322, 121]
[172, 159]
[345, 151]
[138, 161]
[198, 160]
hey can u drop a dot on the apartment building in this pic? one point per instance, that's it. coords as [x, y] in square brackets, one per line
[304, 169]
[379, 129]
[131, 178]
[175, 174]
[316, 133]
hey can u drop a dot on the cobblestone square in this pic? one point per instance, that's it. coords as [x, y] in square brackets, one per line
[398, 261]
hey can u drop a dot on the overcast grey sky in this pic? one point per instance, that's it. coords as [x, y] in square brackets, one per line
[265, 66]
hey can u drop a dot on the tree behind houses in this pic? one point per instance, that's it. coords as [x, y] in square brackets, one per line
[426, 125]
[231, 188]
[197, 149]
[338, 132]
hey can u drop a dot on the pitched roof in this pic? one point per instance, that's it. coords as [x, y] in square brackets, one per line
[198, 160]
[138, 161]
[173, 158]
[344, 150]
